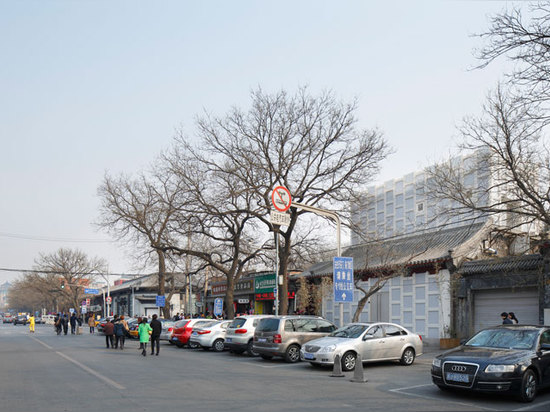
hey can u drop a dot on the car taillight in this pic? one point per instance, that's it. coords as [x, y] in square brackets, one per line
[203, 332]
[420, 336]
[277, 339]
[170, 329]
[240, 331]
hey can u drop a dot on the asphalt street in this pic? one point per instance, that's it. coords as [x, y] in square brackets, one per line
[46, 372]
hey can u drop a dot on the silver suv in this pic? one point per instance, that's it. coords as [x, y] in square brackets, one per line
[240, 333]
[284, 335]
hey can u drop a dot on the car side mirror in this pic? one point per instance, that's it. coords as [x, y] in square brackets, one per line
[463, 341]
[545, 347]
[367, 337]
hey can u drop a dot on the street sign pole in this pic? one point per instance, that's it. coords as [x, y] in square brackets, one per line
[277, 271]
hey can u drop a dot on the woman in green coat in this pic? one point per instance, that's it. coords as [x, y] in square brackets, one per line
[144, 330]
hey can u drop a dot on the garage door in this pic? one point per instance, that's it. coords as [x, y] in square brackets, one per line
[489, 304]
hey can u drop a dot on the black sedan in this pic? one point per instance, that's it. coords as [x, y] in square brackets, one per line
[507, 358]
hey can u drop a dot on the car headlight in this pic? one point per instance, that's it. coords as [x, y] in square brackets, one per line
[436, 363]
[499, 368]
[326, 349]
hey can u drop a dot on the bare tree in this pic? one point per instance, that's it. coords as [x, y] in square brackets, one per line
[216, 222]
[66, 273]
[138, 211]
[508, 152]
[310, 144]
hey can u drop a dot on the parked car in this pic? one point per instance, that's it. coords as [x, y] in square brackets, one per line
[38, 320]
[167, 328]
[20, 320]
[8, 318]
[374, 341]
[239, 336]
[506, 358]
[100, 324]
[211, 335]
[284, 336]
[182, 331]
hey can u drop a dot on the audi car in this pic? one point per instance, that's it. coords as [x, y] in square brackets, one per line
[506, 358]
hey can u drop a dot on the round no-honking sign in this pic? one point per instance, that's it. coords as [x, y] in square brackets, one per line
[281, 199]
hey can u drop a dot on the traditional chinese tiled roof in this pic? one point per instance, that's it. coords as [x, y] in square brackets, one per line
[423, 248]
[509, 264]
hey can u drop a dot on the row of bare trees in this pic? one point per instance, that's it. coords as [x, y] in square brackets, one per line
[206, 201]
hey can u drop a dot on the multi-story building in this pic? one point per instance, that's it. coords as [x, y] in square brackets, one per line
[4, 288]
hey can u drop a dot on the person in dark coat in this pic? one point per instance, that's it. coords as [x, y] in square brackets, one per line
[505, 319]
[58, 322]
[65, 323]
[73, 323]
[109, 330]
[120, 329]
[156, 325]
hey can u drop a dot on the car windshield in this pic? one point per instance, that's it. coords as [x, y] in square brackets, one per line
[350, 331]
[504, 338]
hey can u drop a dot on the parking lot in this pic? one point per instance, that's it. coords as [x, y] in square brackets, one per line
[46, 372]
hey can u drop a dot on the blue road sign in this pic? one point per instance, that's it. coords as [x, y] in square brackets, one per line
[218, 306]
[161, 300]
[343, 279]
[91, 291]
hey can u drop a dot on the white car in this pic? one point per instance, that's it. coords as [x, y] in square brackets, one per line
[211, 335]
[374, 341]
[240, 334]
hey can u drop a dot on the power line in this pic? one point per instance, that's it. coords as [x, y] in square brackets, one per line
[52, 239]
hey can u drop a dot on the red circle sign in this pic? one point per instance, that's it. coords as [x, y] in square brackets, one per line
[281, 199]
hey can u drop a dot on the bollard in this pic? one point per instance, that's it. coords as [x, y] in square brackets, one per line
[358, 373]
[337, 369]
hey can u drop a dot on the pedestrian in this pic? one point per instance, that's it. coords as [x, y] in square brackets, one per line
[109, 330]
[156, 329]
[505, 319]
[73, 323]
[91, 323]
[65, 323]
[31, 324]
[144, 331]
[58, 323]
[120, 330]
[513, 318]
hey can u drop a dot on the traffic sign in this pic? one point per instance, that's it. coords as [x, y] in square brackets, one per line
[343, 279]
[108, 299]
[281, 199]
[279, 218]
[161, 301]
[71, 310]
[88, 301]
[218, 306]
[91, 291]
[84, 309]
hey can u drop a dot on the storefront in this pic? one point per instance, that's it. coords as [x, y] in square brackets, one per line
[243, 295]
[264, 294]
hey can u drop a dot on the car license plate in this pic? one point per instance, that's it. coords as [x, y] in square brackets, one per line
[228, 339]
[194, 334]
[174, 338]
[457, 377]
[262, 340]
[308, 356]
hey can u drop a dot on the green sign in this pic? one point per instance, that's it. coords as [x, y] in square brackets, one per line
[265, 283]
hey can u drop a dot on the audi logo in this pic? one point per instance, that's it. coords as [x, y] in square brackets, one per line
[458, 368]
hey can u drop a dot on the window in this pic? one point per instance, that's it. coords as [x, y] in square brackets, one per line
[409, 191]
[389, 196]
[420, 207]
[399, 199]
[268, 325]
[289, 326]
[389, 208]
[376, 332]
[409, 203]
[545, 337]
[394, 331]
[305, 325]
[324, 326]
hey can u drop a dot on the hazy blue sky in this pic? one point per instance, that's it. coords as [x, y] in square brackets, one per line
[93, 86]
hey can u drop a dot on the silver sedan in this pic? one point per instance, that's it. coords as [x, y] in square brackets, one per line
[210, 335]
[374, 341]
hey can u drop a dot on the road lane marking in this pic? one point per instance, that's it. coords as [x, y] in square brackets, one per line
[82, 366]
[402, 391]
[538, 405]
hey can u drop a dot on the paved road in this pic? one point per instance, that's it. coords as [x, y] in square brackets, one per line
[46, 372]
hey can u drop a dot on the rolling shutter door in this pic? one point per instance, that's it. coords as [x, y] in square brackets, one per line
[489, 304]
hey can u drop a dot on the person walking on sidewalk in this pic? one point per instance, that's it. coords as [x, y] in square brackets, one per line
[91, 323]
[72, 321]
[144, 330]
[156, 327]
[109, 330]
[120, 330]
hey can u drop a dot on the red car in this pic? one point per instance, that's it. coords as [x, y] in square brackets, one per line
[182, 331]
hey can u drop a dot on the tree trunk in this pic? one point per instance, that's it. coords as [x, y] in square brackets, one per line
[230, 309]
[162, 281]
[360, 306]
[283, 266]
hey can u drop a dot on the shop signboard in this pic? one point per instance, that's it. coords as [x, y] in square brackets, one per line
[242, 286]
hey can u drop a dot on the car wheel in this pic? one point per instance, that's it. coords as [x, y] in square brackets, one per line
[250, 349]
[218, 345]
[292, 354]
[179, 345]
[267, 357]
[348, 361]
[171, 343]
[528, 390]
[408, 357]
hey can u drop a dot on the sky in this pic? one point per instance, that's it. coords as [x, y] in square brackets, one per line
[95, 87]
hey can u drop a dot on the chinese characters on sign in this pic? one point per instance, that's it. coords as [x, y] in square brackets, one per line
[343, 279]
